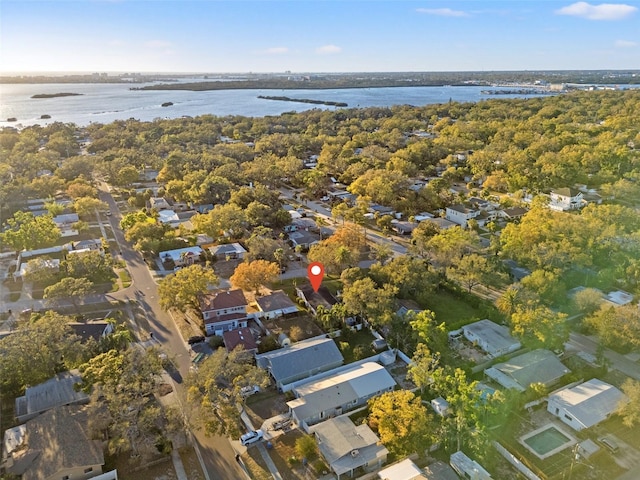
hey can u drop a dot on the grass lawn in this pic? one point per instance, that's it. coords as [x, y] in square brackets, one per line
[255, 465]
[455, 312]
[347, 345]
[124, 277]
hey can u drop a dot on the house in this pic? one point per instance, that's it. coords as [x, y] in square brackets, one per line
[182, 257]
[88, 330]
[618, 298]
[332, 395]
[347, 447]
[585, 405]
[55, 445]
[563, 199]
[169, 217]
[303, 239]
[240, 336]
[55, 392]
[492, 338]
[402, 227]
[511, 214]
[404, 306]
[313, 299]
[516, 272]
[276, 304]
[159, 204]
[407, 470]
[537, 366]
[301, 360]
[228, 251]
[65, 223]
[223, 310]
[468, 468]
[49, 264]
[460, 214]
[94, 244]
[441, 223]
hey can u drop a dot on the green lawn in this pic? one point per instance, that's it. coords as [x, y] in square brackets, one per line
[455, 312]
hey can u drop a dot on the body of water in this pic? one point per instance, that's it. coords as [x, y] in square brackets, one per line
[104, 103]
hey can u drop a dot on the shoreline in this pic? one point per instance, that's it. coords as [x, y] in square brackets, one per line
[305, 100]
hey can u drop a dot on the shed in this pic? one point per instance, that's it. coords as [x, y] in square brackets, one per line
[440, 406]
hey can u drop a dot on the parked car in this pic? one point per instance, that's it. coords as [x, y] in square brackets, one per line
[195, 339]
[249, 390]
[251, 437]
[609, 443]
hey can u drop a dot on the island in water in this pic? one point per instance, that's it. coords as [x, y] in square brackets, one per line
[54, 95]
[305, 100]
[166, 104]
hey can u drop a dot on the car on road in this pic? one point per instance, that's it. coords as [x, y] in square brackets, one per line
[252, 437]
[195, 339]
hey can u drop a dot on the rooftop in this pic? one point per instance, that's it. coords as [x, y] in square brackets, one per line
[496, 336]
[277, 300]
[56, 391]
[241, 336]
[537, 366]
[221, 299]
[308, 355]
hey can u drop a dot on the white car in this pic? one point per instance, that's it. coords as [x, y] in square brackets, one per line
[249, 390]
[251, 437]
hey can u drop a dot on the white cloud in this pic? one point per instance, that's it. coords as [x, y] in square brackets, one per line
[604, 11]
[328, 50]
[116, 43]
[625, 44]
[157, 44]
[276, 50]
[442, 12]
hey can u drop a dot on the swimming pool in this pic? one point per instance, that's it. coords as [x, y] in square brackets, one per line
[547, 441]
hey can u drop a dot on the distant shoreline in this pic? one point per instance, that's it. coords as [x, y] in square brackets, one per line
[305, 100]
[54, 95]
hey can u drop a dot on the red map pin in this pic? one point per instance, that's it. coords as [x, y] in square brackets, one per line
[315, 271]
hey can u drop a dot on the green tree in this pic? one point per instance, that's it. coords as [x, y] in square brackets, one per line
[123, 402]
[71, 289]
[402, 422]
[26, 232]
[429, 332]
[616, 327]
[423, 364]
[45, 346]
[182, 289]
[372, 303]
[229, 219]
[539, 326]
[306, 447]
[253, 275]
[448, 246]
[470, 270]
[86, 206]
[214, 389]
[94, 266]
[629, 408]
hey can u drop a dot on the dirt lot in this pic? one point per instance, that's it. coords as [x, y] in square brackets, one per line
[284, 325]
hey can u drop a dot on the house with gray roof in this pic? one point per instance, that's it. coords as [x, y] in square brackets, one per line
[329, 396]
[537, 366]
[407, 470]
[55, 392]
[492, 338]
[55, 445]
[347, 447]
[276, 304]
[301, 360]
[585, 405]
[228, 251]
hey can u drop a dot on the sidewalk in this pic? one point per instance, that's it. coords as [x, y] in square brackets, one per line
[263, 451]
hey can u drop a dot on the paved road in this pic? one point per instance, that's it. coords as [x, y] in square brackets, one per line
[582, 343]
[216, 451]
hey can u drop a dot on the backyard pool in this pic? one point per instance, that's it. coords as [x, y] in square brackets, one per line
[547, 441]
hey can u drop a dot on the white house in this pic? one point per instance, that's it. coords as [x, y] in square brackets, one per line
[347, 447]
[585, 405]
[492, 338]
[182, 256]
[228, 251]
[460, 214]
[331, 396]
[537, 366]
[563, 199]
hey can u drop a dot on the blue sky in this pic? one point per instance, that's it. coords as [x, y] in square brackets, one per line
[317, 36]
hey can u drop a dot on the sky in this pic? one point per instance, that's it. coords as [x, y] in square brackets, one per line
[238, 36]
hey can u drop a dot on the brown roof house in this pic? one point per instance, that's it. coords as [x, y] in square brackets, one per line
[53, 446]
[223, 311]
[276, 304]
[241, 336]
